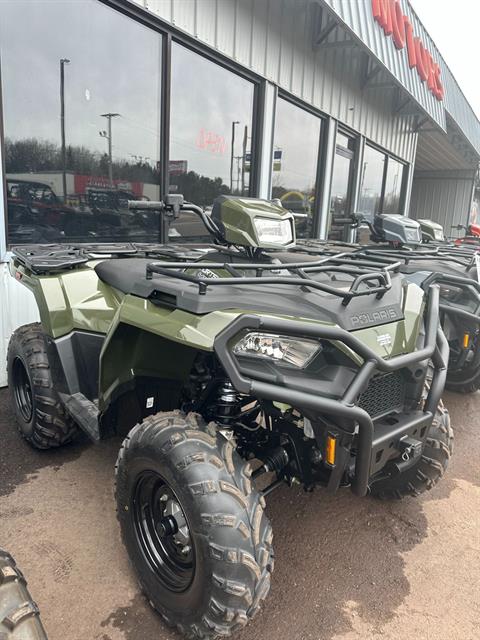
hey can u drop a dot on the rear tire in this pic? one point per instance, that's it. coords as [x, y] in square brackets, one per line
[225, 573]
[431, 466]
[40, 415]
[19, 617]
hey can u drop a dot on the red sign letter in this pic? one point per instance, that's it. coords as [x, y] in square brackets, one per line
[412, 58]
[397, 24]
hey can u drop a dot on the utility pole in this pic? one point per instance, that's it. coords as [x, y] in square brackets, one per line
[245, 140]
[63, 62]
[235, 122]
[108, 136]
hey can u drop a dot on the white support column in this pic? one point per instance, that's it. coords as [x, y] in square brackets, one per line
[325, 174]
[409, 181]
[3, 212]
[265, 156]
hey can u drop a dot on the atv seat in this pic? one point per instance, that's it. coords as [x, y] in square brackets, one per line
[122, 273]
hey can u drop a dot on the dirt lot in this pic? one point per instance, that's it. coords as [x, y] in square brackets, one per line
[346, 568]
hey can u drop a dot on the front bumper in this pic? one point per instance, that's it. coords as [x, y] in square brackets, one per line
[369, 438]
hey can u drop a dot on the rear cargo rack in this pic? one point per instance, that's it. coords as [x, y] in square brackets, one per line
[299, 275]
[52, 258]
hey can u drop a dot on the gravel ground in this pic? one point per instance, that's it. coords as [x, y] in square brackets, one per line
[346, 568]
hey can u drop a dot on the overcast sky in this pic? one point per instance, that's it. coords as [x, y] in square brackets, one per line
[454, 26]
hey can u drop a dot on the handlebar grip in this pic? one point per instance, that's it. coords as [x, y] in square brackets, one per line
[344, 221]
[145, 204]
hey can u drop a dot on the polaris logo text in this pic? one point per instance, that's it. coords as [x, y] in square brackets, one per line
[375, 317]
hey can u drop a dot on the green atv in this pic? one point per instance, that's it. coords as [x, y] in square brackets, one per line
[397, 239]
[228, 371]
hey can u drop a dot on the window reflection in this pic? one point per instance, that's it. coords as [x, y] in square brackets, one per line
[296, 143]
[210, 134]
[77, 189]
[371, 182]
[393, 187]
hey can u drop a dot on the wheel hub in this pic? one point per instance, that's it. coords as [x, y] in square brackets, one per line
[178, 527]
[22, 390]
[162, 531]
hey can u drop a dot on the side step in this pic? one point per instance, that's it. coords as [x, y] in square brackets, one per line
[84, 412]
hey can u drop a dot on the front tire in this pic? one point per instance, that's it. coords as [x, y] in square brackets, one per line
[39, 413]
[19, 617]
[207, 571]
[431, 466]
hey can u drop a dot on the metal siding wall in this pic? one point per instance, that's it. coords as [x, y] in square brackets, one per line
[273, 38]
[17, 307]
[442, 196]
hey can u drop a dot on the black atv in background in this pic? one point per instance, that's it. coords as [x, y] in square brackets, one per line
[397, 239]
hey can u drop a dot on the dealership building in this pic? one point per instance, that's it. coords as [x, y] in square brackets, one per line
[333, 106]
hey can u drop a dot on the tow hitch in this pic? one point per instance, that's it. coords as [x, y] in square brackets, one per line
[410, 449]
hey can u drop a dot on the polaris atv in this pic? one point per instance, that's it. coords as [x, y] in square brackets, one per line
[396, 238]
[222, 365]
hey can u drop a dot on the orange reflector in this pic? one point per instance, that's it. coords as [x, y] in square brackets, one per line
[466, 340]
[330, 450]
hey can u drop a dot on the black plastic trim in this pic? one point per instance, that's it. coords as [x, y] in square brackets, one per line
[436, 348]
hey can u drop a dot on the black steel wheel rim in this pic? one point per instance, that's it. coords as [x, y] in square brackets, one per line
[22, 390]
[172, 563]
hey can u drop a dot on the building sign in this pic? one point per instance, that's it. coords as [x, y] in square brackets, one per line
[211, 141]
[177, 167]
[83, 183]
[390, 16]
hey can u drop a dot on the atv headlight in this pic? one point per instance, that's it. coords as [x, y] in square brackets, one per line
[296, 352]
[273, 231]
[413, 235]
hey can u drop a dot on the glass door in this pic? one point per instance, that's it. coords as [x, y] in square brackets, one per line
[342, 179]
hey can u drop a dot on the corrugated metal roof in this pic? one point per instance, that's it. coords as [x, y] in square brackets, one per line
[357, 16]
[434, 152]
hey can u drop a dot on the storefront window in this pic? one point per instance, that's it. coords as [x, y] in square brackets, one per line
[371, 182]
[393, 187]
[72, 183]
[296, 143]
[210, 134]
[341, 186]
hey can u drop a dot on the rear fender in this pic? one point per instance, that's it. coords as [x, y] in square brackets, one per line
[73, 299]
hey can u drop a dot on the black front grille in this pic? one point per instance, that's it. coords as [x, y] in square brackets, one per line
[384, 394]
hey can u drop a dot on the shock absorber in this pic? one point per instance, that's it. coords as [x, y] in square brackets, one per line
[228, 405]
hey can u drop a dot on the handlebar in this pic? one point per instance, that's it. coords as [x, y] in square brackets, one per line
[173, 205]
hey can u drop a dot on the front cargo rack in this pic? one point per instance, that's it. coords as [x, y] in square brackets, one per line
[297, 274]
[372, 258]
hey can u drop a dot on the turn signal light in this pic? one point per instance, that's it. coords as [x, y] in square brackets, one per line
[331, 450]
[466, 340]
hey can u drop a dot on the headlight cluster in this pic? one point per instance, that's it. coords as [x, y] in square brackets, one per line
[273, 231]
[449, 293]
[438, 234]
[296, 352]
[412, 234]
